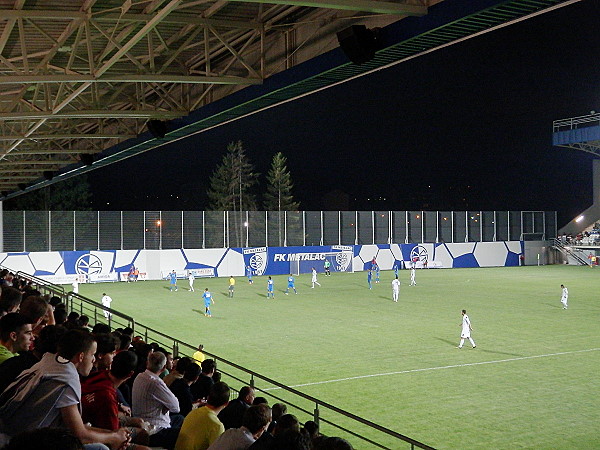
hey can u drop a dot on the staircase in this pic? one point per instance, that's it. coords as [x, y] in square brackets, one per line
[575, 253]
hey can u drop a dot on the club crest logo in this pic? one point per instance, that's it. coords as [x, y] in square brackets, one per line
[258, 262]
[419, 254]
[88, 265]
[342, 260]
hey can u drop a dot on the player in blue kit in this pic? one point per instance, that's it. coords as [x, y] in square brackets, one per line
[396, 269]
[172, 277]
[291, 285]
[270, 288]
[369, 276]
[207, 296]
[377, 273]
[249, 274]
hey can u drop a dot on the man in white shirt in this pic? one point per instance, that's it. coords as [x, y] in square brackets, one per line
[75, 285]
[564, 297]
[395, 288]
[466, 330]
[106, 301]
[152, 401]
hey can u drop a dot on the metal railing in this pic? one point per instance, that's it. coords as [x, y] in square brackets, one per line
[577, 254]
[368, 432]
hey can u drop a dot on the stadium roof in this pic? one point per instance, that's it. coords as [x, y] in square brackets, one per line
[80, 80]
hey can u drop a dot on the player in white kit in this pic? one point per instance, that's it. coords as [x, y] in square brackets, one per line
[413, 272]
[564, 297]
[314, 278]
[466, 330]
[395, 288]
[106, 301]
[191, 280]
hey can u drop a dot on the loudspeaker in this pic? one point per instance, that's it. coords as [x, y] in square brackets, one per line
[48, 174]
[22, 186]
[87, 159]
[157, 128]
[359, 43]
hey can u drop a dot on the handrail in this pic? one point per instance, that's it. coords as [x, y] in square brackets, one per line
[558, 244]
[71, 297]
[55, 288]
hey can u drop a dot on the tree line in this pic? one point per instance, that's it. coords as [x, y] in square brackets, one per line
[234, 183]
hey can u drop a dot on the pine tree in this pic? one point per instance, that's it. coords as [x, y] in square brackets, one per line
[231, 187]
[279, 189]
[278, 196]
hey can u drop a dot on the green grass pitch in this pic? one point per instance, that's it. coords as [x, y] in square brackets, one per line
[532, 381]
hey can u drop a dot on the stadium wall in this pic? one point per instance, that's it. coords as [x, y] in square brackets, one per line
[113, 265]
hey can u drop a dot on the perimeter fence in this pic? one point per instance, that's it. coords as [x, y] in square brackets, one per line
[40, 231]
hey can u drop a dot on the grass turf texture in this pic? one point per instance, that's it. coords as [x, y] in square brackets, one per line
[532, 381]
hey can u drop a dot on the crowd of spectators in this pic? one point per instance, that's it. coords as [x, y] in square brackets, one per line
[66, 385]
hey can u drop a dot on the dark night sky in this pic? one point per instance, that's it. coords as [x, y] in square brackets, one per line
[466, 127]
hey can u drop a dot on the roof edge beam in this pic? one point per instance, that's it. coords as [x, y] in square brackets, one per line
[378, 7]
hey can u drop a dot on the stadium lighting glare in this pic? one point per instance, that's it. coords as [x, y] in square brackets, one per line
[245, 224]
[579, 219]
[158, 223]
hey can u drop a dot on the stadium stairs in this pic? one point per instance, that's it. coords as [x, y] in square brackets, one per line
[368, 434]
[570, 252]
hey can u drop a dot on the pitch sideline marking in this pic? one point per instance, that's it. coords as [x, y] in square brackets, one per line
[453, 366]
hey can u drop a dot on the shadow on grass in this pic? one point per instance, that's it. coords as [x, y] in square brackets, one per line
[552, 305]
[452, 343]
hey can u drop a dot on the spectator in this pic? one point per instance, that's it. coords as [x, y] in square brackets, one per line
[292, 440]
[100, 403]
[100, 328]
[46, 342]
[181, 388]
[15, 335]
[202, 426]
[177, 373]
[38, 311]
[334, 443]
[201, 388]
[60, 316]
[169, 365]
[233, 414]
[49, 394]
[72, 320]
[260, 401]
[10, 300]
[107, 349]
[268, 440]
[124, 342]
[312, 429]
[84, 322]
[152, 401]
[255, 422]
[279, 409]
[199, 355]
